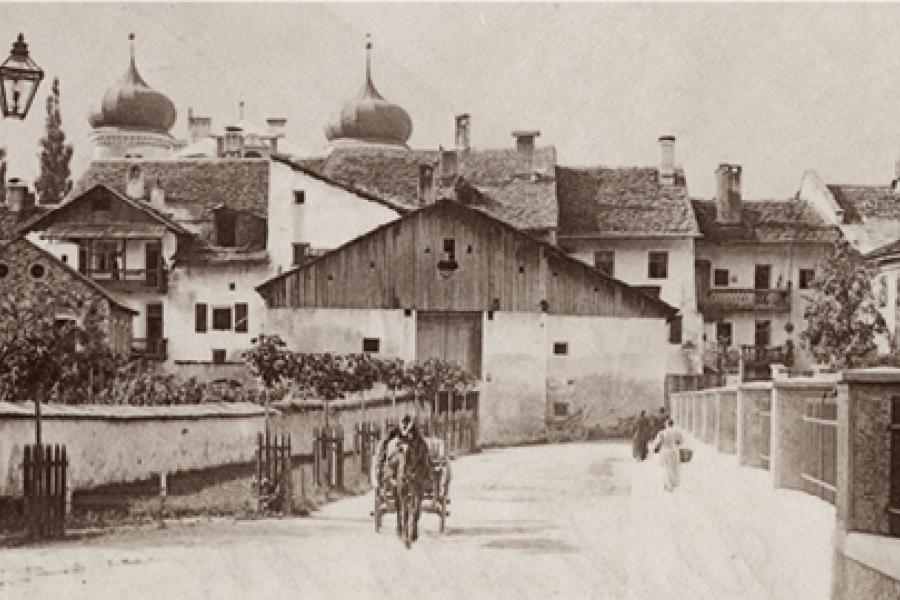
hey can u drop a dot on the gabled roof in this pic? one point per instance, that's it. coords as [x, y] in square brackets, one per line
[766, 221]
[72, 272]
[866, 202]
[516, 190]
[197, 184]
[619, 202]
[309, 169]
[549, 249]
[154, 214]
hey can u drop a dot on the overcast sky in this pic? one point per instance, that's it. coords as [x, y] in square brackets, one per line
[778, 89]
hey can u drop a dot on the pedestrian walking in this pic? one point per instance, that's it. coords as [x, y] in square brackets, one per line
[641, 434]
[668, 443]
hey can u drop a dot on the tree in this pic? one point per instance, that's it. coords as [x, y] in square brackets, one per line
[270, 362]
[53, 183]
[842, 315]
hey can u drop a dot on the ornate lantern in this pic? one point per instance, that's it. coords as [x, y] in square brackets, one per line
[19, 79]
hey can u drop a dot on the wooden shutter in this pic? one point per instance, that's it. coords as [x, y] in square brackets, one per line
[200, 318]
[240, 318]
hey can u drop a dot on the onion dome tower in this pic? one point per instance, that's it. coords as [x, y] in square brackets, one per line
[369, 119]
[132, 119]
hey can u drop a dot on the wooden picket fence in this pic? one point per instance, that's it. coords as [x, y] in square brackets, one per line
[328, 457]
[45, 470]
[273, 472]
[365, 442]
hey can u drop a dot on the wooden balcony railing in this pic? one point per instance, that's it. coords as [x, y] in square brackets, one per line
[746, 300]
[131, 279]
[757, 360]
[150, 348]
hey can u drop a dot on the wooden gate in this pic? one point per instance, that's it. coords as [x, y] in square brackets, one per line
[364, 443]
[273, 472]
[328, 457]
[44, 473]
[819, 471]
[765, 431]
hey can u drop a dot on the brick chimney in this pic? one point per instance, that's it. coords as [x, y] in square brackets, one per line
[525, 142]
[463, 123]
[17, 196]
[134, 181]
[199, 127]
[728, 194]
[667, 160]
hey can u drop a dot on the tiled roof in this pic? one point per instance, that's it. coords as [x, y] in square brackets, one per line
[12, 222]
[864, 202]
[200, 185]
[766, 221]
[502, 177]
[622, 201]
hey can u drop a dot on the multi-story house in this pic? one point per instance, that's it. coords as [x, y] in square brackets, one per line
[755, 263]
[636, 224]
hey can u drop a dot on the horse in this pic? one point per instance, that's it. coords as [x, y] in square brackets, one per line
[412, 473]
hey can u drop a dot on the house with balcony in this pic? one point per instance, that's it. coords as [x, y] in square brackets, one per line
[754, 263]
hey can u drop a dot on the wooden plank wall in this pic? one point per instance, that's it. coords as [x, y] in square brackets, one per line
[396, 267]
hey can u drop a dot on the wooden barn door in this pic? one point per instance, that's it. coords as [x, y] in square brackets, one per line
[451, 336]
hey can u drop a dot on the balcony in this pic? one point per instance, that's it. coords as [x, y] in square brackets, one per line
[757, 360]
[130, 280]
[724, 300]
[150, 348]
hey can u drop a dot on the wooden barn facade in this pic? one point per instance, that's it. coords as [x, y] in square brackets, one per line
[549, 336]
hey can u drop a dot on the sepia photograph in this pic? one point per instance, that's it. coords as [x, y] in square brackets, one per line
[446, 300]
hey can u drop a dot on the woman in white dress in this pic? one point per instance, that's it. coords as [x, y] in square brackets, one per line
[667, 443]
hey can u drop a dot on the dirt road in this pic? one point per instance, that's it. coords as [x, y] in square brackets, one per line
[570, 521]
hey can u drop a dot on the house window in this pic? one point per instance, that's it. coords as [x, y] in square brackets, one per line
[240, 318]
[561, 348]
[371, 344]
[226, 227]
[720, 277]
[449, 249]
[299, 197]
[724, 333]
[200, 311]
[762, 277]
[763, 335]
[807, 276]
[218, 356]
[300, 252]
[560, 409]
[605, 260]
[658, 265]
[4, 270]
[221, 319]
[675, 330]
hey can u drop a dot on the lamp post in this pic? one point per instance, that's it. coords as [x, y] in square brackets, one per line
[19, 80]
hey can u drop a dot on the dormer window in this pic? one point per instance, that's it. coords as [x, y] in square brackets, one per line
[226, 225]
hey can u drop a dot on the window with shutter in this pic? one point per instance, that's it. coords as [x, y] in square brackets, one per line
[200, 318]
[240, 318]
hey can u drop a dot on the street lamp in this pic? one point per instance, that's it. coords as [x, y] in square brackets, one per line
[19, 79]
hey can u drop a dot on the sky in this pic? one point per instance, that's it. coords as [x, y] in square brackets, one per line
[779, 89]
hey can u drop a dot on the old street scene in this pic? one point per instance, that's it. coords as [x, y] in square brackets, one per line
[450, 301]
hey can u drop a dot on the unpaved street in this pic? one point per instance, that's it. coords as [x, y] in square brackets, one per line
[569, 521]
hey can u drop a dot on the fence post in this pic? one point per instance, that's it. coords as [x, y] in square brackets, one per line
[339, 451]
[287, 484]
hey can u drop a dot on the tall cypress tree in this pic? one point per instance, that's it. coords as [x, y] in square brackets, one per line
[54, 183]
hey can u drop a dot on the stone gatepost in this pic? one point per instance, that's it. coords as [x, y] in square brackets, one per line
[726, 419]
[789, 397]
[866, 560]
[709, 401]
[750, 397]
[697, 417]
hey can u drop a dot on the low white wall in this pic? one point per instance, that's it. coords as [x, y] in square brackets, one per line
[109, 444]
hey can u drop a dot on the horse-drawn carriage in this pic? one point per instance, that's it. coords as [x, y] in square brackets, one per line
[391, 486]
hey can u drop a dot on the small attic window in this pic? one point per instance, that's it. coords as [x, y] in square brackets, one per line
[226, 227]
[299, 197]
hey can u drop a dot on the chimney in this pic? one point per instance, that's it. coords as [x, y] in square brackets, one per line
[728, 194]
[157, 195]
[426, 183]
[134, 181]
[16, 195]
[525, 142]
[199, 127]
[462, 132]
[448, 166]
[667, 160]
[2, 175]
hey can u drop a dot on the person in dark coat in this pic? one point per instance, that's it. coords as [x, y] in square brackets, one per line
[641, 434]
